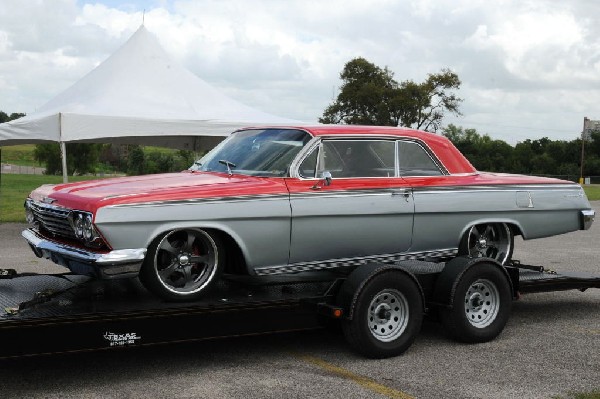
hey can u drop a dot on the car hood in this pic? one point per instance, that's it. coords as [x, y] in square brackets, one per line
[92, 194]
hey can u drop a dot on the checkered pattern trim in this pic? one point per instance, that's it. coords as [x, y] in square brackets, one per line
[438, 256]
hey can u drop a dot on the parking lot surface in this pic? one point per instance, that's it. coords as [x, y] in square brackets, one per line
[550, 346]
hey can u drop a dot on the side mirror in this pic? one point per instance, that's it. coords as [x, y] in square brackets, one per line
[325, 181]
[326, 176]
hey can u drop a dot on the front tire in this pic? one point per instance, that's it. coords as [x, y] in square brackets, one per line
[387, 317]
[183, 264]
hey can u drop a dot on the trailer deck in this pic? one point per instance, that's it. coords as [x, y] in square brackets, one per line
[44, 314]
[50, 314]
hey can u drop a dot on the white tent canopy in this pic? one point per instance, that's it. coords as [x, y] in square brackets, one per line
[138, 96]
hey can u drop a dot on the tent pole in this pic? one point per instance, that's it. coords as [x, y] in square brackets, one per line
[63, 157]
[63, 150]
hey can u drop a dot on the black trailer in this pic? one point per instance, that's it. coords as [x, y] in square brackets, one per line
[380, 306]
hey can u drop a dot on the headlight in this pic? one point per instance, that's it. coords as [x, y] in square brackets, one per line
[29, 216]
[88, 228]
[78, 226]
[83, 227]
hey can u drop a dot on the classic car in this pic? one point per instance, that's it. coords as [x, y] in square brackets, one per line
[297, 201]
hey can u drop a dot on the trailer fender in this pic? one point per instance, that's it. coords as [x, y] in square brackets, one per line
[445, 286]
[356, 281]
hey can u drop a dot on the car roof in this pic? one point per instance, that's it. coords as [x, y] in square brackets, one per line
[443, 148]
[349, 130]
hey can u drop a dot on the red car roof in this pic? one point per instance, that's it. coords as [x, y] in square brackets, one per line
[443, 148]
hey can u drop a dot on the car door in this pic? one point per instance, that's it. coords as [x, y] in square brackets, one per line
[366, 209]
[437, 220]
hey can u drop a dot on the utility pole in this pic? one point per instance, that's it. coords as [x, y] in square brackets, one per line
[585, 123]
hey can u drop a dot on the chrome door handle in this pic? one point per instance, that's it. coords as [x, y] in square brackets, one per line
[401, 192]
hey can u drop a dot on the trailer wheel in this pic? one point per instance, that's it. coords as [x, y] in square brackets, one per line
[481, 305]
[387, 316]
[183, 264]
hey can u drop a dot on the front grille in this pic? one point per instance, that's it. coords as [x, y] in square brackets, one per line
[52, 219]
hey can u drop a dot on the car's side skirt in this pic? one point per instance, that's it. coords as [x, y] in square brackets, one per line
[437, 255]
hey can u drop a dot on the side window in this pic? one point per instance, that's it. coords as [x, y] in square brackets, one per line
[415, 161]
[309, 165]
[357, 158]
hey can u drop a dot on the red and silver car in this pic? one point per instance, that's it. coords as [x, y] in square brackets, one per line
[296, 201]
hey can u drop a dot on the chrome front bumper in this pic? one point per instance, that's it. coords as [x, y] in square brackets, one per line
[587, 218]
[118, 263]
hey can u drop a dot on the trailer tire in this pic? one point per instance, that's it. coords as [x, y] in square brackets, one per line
[481, 304]
[387, 317]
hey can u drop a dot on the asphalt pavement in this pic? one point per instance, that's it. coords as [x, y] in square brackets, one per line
[550, 346]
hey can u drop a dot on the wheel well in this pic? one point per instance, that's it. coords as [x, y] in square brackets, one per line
[514, 227]
[235, 261]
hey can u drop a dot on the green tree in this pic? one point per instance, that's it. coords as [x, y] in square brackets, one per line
[4, 117]
[539, 157]
[366, 96]
[185, 159]
[81, 157]
[370, 95]
[424, 105]
[49, 154]
[481, 150]
[136, 161]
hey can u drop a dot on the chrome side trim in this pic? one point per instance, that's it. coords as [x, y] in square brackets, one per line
[238, 198]
[437, 255]
[427, 190]
[120, 262]
[347, 193]
[497, 187]
[344, 193]
[587, 218]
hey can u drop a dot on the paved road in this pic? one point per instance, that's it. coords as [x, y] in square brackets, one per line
[551, 346]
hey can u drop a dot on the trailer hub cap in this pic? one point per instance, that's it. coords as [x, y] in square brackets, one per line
[482, 303]
[388, 315]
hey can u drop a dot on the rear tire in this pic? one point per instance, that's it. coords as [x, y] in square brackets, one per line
[481, 305]
[183, 264]
[491, 240]
[387, 317]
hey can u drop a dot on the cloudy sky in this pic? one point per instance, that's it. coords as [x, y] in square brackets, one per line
[529, 68]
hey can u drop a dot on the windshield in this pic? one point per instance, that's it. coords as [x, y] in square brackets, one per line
[260, 152]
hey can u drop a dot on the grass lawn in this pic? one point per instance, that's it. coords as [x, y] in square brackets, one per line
[15, 188]
[592, 191]
[19, 155]
[595, 394]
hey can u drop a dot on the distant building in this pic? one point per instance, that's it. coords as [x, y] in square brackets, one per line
[589, 126]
